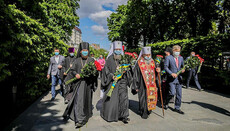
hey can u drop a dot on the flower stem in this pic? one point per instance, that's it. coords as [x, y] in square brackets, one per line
[198, 71]
[67, 71]
[70, 81]
[181, 70]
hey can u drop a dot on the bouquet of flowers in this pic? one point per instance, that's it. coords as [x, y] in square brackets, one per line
[191, 62]
[89, 70]
[158, 62]
[130, 58]
[125, 63]
[158, 59]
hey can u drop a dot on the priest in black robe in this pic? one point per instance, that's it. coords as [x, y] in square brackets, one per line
[116, 107]
[144, 82]
[79, 108]
[68, 63]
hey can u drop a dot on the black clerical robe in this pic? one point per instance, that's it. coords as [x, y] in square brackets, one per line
[65, 67]
[117, 106]
[79, 109]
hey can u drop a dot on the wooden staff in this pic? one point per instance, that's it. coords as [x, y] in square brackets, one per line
[159, 81]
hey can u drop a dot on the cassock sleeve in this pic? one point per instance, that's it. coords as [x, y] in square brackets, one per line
[94, 79]
[64, 65]
[73, 69]
[129, 77]
[136, 79]
[72, 72]
[107, 76]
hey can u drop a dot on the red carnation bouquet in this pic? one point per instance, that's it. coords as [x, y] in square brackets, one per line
[130, 58]
[89, 70]
[201, 62]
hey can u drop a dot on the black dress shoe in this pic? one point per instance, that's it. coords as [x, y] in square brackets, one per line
[52, 98]
[78, 125]
[144, 116]
[65, 118]
[166, 107]
[125, 121]
[66, 101]
[179, 111]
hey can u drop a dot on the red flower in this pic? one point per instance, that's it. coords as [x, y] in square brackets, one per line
[160, 56]
[98, 65]
[201, 59]
[136, 55]
[130, 54]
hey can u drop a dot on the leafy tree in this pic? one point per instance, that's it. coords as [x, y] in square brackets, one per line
[153, 21]
[115, 22]
[30, 30]
[224, 16]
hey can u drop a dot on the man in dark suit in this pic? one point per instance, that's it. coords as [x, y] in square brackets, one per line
[173, 63]
[193, 72]
[54, 69]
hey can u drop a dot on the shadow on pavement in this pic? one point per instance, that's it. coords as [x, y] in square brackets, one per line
[50, 118]
[210, 107]
[217, 93]
[39, 116]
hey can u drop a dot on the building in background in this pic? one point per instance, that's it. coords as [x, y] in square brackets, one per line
[75, 38]
[95, 46]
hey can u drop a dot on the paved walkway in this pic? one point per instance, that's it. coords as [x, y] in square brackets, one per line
[204, 111]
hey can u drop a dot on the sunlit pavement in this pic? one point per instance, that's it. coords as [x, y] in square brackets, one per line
[204, 111]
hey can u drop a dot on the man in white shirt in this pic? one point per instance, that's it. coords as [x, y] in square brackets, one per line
[54, 70]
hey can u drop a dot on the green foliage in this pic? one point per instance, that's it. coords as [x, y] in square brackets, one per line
[126, 59]
[151, 21]
[99, 52]
[209, 47]
[32, 29]
[89, 70]
[190, 63]
[115, 22]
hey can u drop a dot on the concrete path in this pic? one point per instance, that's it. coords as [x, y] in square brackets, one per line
[204, 111]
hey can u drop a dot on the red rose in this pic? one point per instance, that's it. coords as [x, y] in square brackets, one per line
[130, 54]
[160, 56]
[201, 59]
[136, 55]
[98, 65]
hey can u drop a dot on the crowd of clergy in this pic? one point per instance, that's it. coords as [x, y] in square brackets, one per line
[142, 79]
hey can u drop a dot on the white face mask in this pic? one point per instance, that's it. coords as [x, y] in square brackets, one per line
[176, 54]
[147, 58]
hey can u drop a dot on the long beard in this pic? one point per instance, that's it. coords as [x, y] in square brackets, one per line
[147, 61]
[117, 57]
